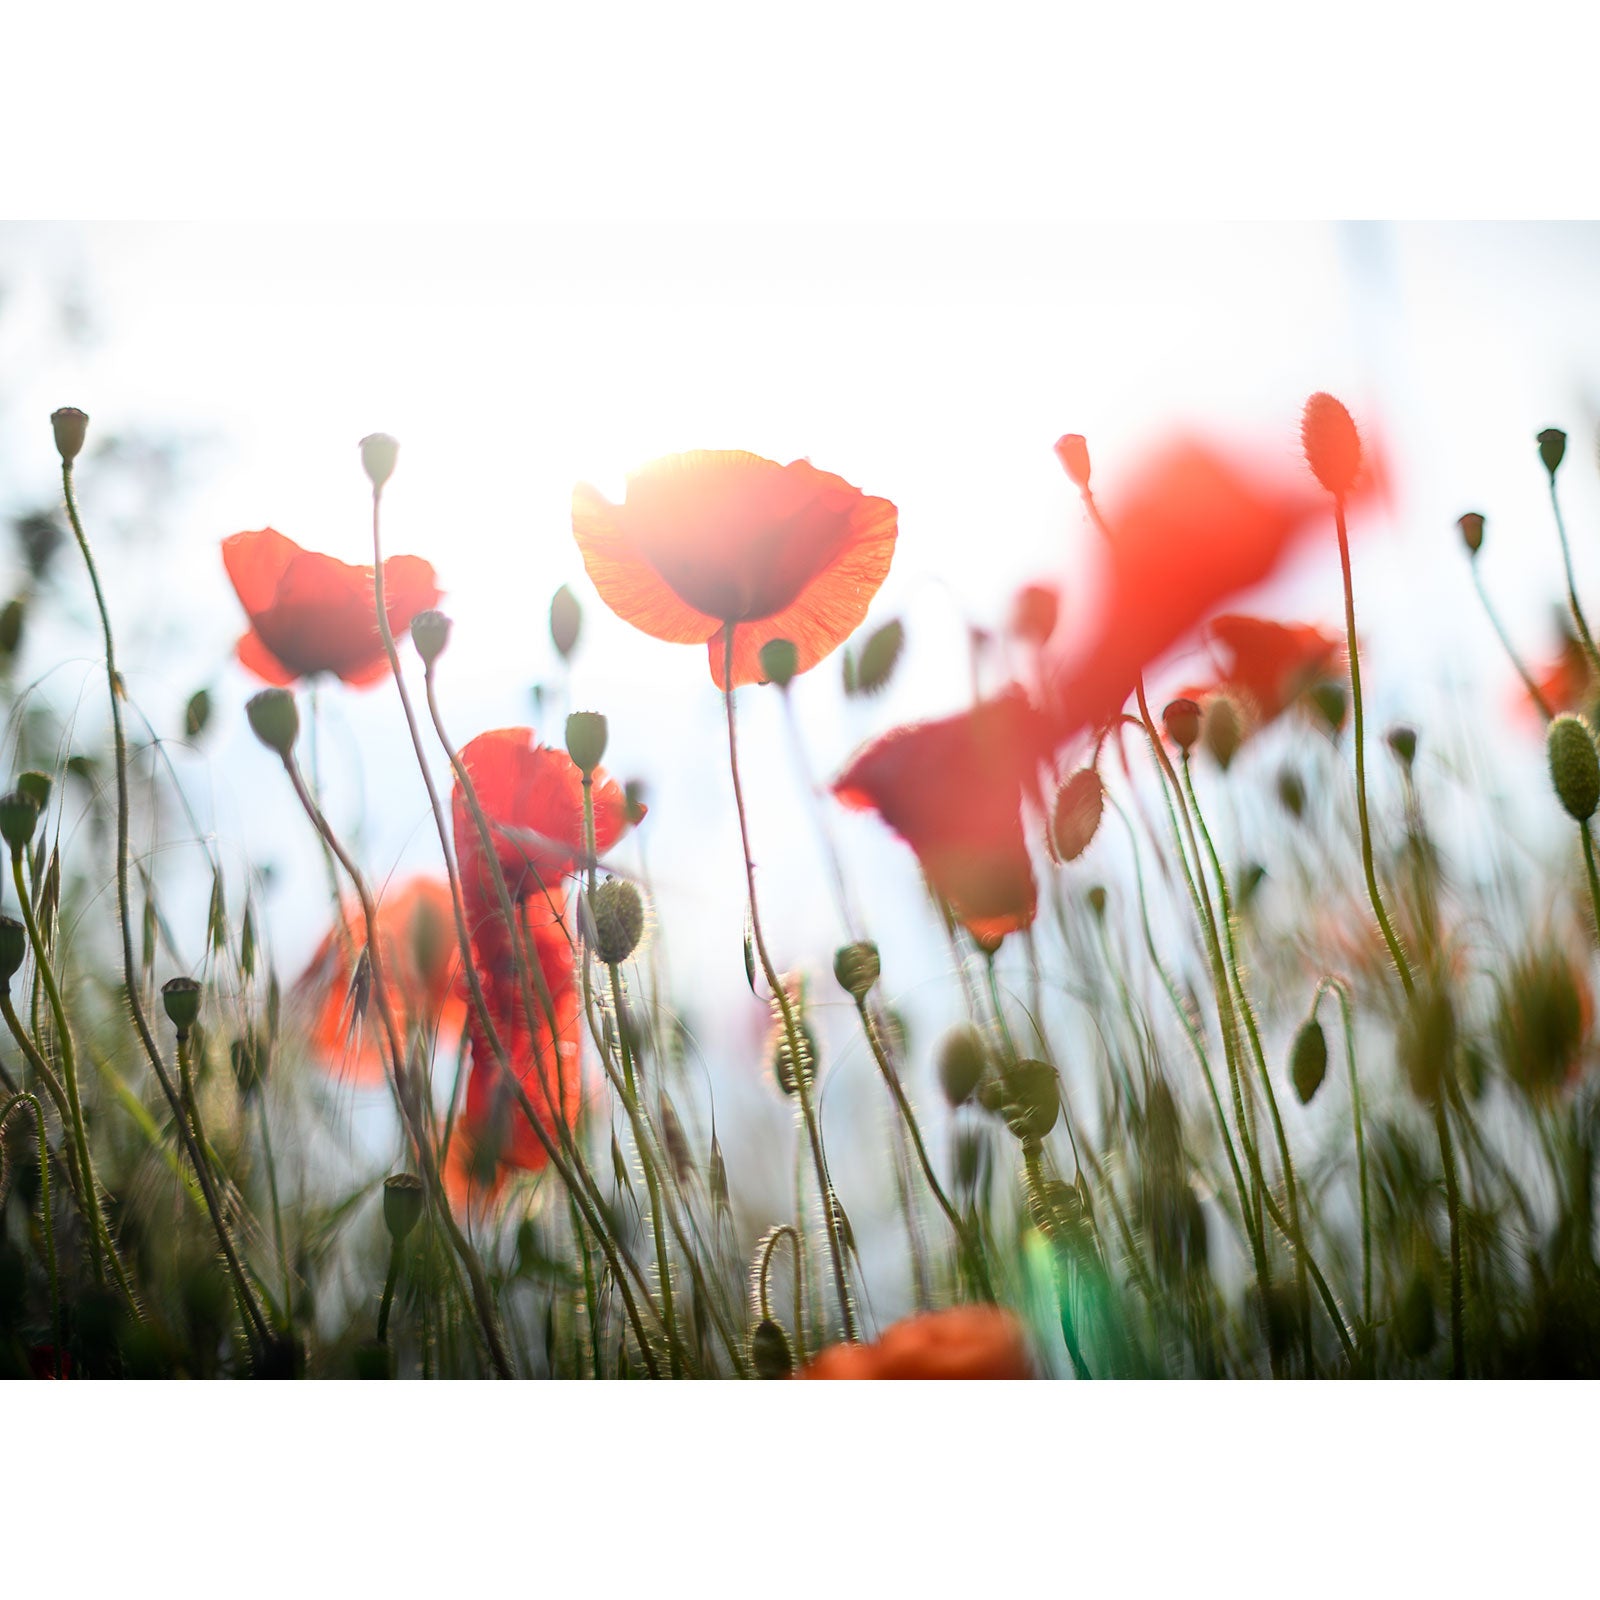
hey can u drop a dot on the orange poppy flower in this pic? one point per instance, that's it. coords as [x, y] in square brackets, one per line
[533, 798]
[422, 966]
[719, 539]
[1567, 683]
[954, 791]
[310, 613]
[963, 1342]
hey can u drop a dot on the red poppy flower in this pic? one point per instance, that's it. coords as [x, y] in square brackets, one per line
[964, 1342]
[720, 538]
[310, 613]
[533, 798]
[954, 790]
[1567, 683]
[422, 966]
[1264, 667]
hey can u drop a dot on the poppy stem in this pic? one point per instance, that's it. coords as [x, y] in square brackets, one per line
[389, 1281]
[47, 1226]
[763, 1296]
[1534, 692]
[1573, 606]
[1339, 987]
[780, 996]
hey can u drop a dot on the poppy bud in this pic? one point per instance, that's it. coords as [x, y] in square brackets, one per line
[566, 621]
[1072, 451]
[1030, 1098]
[430, 633]
[1224, 732]
[1332, 445]
[879, 657]
[19, 816]
[12, 615]
[378, 453]
[1552, 447]
[1574, 767]
[181, 997]
[1471, 526]
[71, 428]
[586, 739]
[1181, 719]
[1403, 742]
[779, 662]
[1292, 793]
[274, 719]
[769, 1350]
[35, 786]
[13, 948]
[618, 914]
[633, 793]
[962, 1060]
[1308, 1060]
[1097, 899]
[856, 967]
[1540, 1022]
[1075, 818]
[196, 714]
[402, 1204]
[1331, 703]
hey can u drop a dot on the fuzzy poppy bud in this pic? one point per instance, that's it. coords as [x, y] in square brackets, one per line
[430, 633]
[1471, 525]
[19, 816]
[586, 739]
[196, 714]
[1332, 445]
[1403, 742]
[779, 662]
[1097, 899]
[566, 621]
[71, 428]
[1075, 817]
[1030, 1098]
[35, 786]
[378, 454]
[856, 967]
[1292, 793]
[1224, 731]
[1574, 767]
[633, 792]
[13, 948]
[1552, 447]
[403, 1195]
[1331, 703]
[769, 1350]
[1072, 451]
[1541, 1020]
[1308, 1060]
[1181, 719]
[962, 1062]
[618, 914]
[274, 719]
[181, 997]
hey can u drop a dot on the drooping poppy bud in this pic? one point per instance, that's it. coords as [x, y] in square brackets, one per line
[197, 714]
[19, 817]
[856, 966]
[1292, 793]
[35, 786]
[618, 914]
[1075, 817]
[566, 621]
[1030, 1098]
[1552, 447]
[181, 997]
[13, 948]
[769, 1350]
[1471, 525]
[1097, 899]
[1403, 742]
[71, 428]
[379, 452]
[1181, 719]
[403, 1195]
[1308, 1060]
[587, 733]
[430, 633]
[274, 719]
[779, 660]
[1332, 704]
[1072, 451]
[1332, 445]
[1574, 766]
[963, 1059]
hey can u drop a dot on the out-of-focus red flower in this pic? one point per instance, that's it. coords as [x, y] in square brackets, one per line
[422, 966]
[533, 797]
[1264, 667]
[964, 1342]
[721, 538]
[1194, 527]
[954, 790]
[310, 613]
[1034, 613]
[1567, 683]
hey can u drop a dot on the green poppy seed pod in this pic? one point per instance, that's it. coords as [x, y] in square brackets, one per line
[962, 1059]
[1292, 793]
[35, 786]
[1331, 703]
[13, 948]
[779, 662]
[1224, 731]
[1403, 742]
[1552, 447]
[1574, 767]
[379, 452]
[1030, 1098]
[1181, 719]
[1308, 1060]
[196, 714]
[274, 719]
[12, 616]
[1097, 900]
[71, 428]
[586, 739]
[1072, 451]
[769, 1350]
[1471, 525]
[1332, 445]
[618, 913]
[1075, 817]
[181, 997]
[402, 1204]
[19, 816]
[566, 622]
[430, 633]
[856, 966]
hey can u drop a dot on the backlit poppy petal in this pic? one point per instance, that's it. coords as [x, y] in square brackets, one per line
[255, 656]
[964, 1342]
